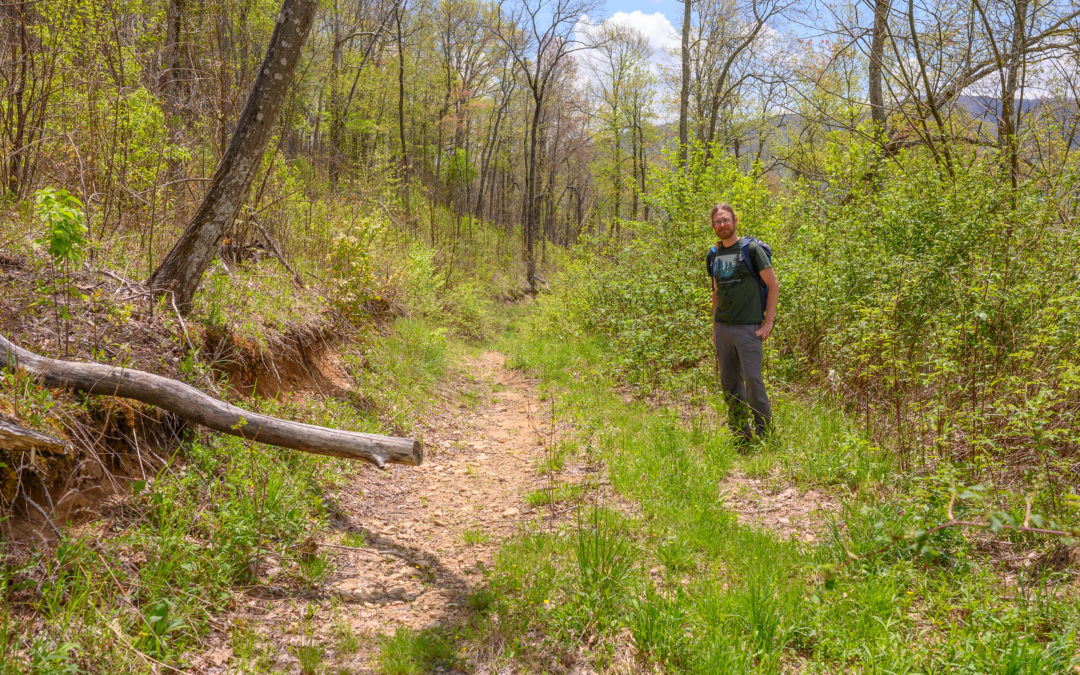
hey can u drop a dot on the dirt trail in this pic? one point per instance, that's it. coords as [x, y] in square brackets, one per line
[427, 532]
[410, 545]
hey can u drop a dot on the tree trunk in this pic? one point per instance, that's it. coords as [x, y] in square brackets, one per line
[195, 406]
[170, 78]
[634, 156]
[530, 194]
[182, 269]
[616, 181]
[1010, 107]
[27, 78]
[336, 122]
[643, 164]
[684, 92]
[877, 54]
[401, 111]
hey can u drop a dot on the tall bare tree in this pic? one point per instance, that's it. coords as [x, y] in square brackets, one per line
[728, 55]
[878, 35]
[538, 35]
[684, 84]
[26, 68]
[621, 53]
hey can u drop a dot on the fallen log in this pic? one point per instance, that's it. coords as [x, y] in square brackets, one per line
[195, 406]
[14, 437]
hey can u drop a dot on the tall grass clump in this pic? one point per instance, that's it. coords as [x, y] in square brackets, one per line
[180, 545]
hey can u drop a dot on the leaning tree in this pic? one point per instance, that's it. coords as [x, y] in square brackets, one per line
[182, 269]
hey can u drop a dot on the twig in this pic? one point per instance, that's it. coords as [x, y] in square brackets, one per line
[48, 520]
[117, 277]
[573, 507]
[955, 522]
[388, 213]
[142, 655]
[174, 182]
[299, 280]
[172, 301]
[309, 368]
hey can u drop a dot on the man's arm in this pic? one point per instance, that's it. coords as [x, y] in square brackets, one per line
[768, 275]
[712, 282]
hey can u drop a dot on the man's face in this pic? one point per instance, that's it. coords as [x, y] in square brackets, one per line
[723, 224]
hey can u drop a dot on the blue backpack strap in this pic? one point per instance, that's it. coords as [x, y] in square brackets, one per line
[744, 249]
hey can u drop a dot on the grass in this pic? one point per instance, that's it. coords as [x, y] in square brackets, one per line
[410, 652]
[149, 584]
[355, 539]
[689, 589]
[474, 536]
[555, 456]
[347, 641]
[196, 531]
[315, 568]
[398, 370]
[310, 656]
[191, 534]
[563, 492]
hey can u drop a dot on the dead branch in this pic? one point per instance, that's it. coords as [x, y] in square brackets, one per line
[195, 406]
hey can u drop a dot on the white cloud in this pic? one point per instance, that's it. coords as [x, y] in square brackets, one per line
[662, 36]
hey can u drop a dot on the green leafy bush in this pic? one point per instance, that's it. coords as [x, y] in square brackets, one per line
[942, 310]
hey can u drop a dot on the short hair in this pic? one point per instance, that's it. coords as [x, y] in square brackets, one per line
[723, 206]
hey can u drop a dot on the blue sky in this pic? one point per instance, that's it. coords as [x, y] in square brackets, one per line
[660, 20]
[670, 8]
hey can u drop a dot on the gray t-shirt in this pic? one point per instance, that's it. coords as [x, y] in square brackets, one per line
[738, 295]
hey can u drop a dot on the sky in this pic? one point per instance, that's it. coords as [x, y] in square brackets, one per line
[660, 20]
[669, 8]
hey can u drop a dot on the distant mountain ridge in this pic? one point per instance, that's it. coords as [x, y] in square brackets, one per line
[988, 108]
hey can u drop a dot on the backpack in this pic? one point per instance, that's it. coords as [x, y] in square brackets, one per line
[744, 254]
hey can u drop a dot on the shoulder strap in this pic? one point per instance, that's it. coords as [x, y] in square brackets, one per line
[744, 250]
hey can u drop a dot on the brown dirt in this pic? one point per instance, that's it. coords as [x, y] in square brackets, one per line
[298, 362]
[786, 511]
[415, 568]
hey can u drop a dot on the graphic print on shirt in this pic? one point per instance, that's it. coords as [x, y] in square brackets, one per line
[724, 267]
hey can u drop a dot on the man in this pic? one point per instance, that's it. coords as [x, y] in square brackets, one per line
[741, 323]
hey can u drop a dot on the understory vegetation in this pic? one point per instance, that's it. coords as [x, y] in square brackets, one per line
[924, 372]
[441, 177]
[942, 311]
[663, 568]
[177, 536]
[144, 583]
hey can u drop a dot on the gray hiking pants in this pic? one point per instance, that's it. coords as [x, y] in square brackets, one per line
[739, 352]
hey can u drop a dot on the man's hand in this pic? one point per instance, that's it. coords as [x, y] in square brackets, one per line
[768, 275]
